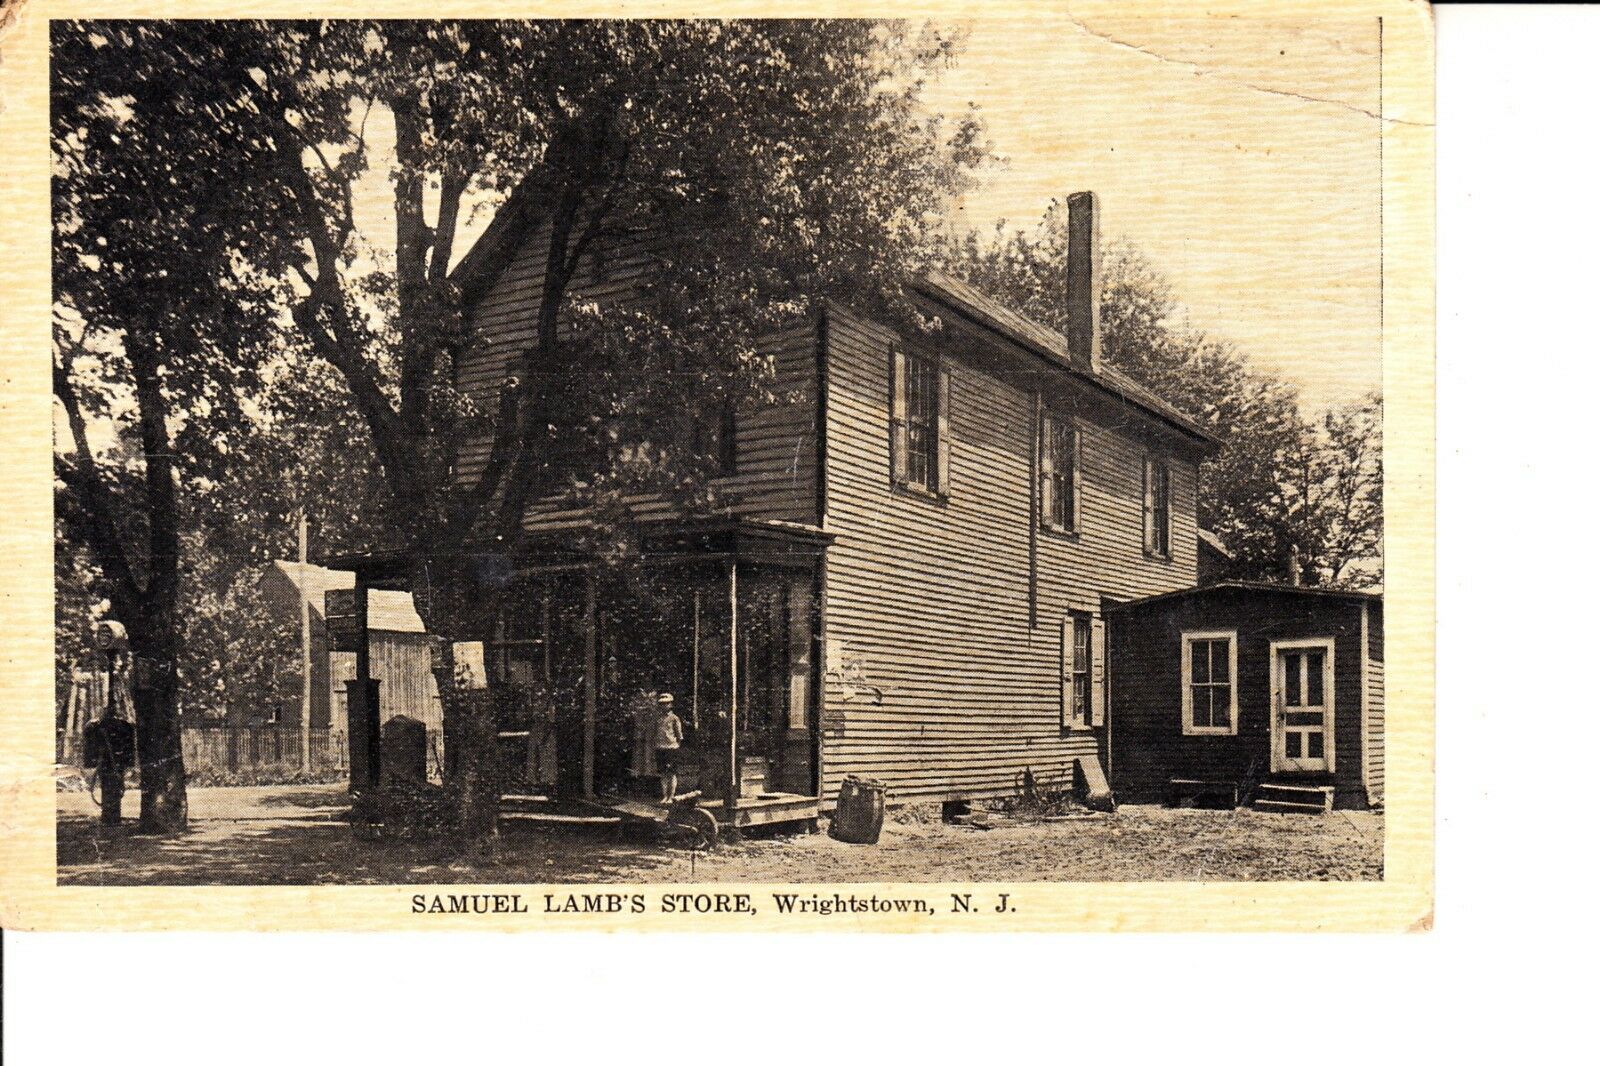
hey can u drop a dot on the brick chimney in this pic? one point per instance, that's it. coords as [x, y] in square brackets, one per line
[1083, 279]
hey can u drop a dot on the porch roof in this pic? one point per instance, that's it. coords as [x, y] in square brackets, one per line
[661, 540]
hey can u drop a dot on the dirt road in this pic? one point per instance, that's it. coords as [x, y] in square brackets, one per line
[296, 835]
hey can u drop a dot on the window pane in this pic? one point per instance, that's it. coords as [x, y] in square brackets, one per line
[1291, 745]
[1291, 679]
[922, 385]
[1314, 660]
[1161, 519]
[1222, 696]
[1313, 745]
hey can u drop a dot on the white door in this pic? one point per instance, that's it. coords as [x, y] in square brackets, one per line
[1302, 706]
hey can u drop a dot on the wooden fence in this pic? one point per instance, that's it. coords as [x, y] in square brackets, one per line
[223, 754]
[260, 752]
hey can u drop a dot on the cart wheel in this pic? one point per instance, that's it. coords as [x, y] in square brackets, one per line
[704, 826]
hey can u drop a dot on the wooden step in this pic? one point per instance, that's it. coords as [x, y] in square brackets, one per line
[1301, 790]
[1289, 807]
[1277, 795]
[546, 818]
[1182, 790]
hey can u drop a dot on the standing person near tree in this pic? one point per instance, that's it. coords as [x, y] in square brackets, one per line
[669, 738]
[108, 750]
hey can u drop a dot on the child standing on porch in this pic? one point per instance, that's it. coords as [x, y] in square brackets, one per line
[669, 738]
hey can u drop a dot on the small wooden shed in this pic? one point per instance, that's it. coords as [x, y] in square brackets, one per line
[397, 644]
[1248, 689]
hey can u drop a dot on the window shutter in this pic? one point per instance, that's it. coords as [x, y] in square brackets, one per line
[1149, 506]
[1047, 469]
[899, 459]
[1066, 671]
[1077, 479]
[943, 440]
[1097, 672]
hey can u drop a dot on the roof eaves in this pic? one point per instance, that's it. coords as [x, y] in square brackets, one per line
[477, 269]
[1214, 542]
[1046, 342]
[1251, 586]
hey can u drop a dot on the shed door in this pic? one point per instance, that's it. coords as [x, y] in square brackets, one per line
[1302, 706]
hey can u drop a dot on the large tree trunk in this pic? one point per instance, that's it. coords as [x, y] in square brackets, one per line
[163, 796]
[454, 607]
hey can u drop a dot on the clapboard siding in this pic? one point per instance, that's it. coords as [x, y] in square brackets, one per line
[1149, 747]
[1375, 729]
[402, 665]
[775, 444]
[936, 683]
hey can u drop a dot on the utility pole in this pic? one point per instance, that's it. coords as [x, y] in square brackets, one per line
[305, 654]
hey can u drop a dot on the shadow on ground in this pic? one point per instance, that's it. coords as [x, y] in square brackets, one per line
[297, 835]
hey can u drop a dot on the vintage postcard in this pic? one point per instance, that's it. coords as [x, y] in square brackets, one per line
[963, 471]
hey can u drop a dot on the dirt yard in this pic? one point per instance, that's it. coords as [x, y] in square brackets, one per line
[296, 835]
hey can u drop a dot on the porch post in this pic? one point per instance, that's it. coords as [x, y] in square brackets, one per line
[731, 797]
[362, 720]
[591, 679]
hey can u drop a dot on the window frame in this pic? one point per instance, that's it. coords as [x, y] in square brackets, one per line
[932, 373]
[1189, 638]
[714, 439]
[922, 381]
[1153, 507]
[1051, 427]
[1082, 670]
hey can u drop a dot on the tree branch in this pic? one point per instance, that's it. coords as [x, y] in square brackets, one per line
[94, 504]
[388, 437]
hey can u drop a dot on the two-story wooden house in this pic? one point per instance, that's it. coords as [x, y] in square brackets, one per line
[909, 580]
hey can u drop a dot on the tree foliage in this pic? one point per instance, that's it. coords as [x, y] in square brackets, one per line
[161, 212]
[206, 201]
[766, 164]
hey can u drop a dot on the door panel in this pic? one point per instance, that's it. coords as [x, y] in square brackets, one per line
[1302, 706]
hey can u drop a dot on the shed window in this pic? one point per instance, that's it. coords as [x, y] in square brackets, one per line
[1210, 683]
[1059, 449]
[919, 423]
[1157, 508]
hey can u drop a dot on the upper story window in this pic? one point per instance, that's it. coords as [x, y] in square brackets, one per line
[713, 439]
[1157, 508]
[1060, 452]
[919, 423]
[1210, 683]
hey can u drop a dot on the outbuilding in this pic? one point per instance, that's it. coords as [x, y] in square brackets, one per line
[397, 646]
[1247, 692]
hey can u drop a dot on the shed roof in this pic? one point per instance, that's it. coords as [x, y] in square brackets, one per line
[387, 611]
[1348, 595]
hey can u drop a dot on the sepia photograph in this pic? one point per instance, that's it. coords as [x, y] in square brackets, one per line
[818, 452]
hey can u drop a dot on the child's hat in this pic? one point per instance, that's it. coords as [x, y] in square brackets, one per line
[665, 697]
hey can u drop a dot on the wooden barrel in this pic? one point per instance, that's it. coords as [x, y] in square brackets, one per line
[858, 818]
